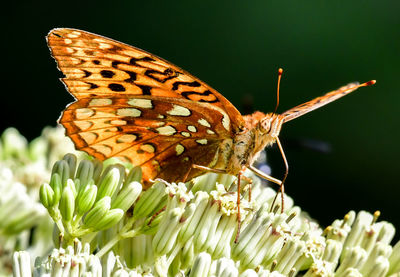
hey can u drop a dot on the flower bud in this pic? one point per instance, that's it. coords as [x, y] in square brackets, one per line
[98, 211]
[56, 185]
[85, 172]
[21, 264]
[135, 175]
[127, 196]
[201, 265]
[61, 167]
[109, 183]
[67, 204]
[86, 198]
[71, 160]
[46, 195]
[149, 200]
[167, 232]
[109, 219]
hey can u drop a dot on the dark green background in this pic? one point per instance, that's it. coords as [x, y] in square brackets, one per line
[237, 47]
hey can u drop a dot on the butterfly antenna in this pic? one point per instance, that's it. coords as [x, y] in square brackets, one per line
[369, 83]
[280, 71]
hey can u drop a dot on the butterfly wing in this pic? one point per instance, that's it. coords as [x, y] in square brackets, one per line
[134, 105]
[320, 101]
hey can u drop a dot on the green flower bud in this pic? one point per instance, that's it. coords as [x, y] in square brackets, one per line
[166, 235]
[98, 211]
[187, 255]
[14, 143]
[62, 168]
[355, 257]
[109, 183]
[46, 195]
[85, 172]
[394, 259]
[21, 264]
[201, 202]
[149, 200]
[98, 168]
[135, 175]
[226, 267]
[201, 265]
[150, 226]
[71, 160]
[21, 221]
[56, 185]
[127, 196]
[332, 251]
[380, 249]
[86, 198]
[67, 204]
[37, 148]
[111, 218]
[73, 186]
[287, 257]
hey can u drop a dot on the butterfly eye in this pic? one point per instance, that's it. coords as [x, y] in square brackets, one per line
[265, 125]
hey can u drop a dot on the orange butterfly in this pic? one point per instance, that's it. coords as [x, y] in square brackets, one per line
[138, 107]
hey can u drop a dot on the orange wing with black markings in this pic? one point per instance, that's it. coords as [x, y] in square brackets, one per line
[139, 107]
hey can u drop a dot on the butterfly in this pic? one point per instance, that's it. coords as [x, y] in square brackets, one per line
[136, 106]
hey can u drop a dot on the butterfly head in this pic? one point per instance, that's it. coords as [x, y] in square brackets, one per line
[270, 125]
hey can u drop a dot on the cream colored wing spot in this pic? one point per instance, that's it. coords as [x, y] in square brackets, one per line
[204, 122]
[69, 50]
[83, 125]
[127, 138]
[118, 122]
[132, 112]
[226, 122]
[89, 137]
[100, 102]
[74, 34]
[67, 41]
[185, 134]
[160, 116]
[179, 111]
[202, 141]
[179, 148]
[166, 130]
[211, 132]
[83, 113]
[192, 128]
[103, 149]
[147, 148]
[141, 103]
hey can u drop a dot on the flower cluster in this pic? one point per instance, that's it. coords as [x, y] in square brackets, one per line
[23, 167]
[170, 230]
[105, 224]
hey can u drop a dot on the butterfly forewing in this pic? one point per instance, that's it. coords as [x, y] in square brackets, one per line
[318, 102]
[136, 106]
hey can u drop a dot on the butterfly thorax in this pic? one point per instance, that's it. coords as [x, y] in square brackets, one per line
[260, 131]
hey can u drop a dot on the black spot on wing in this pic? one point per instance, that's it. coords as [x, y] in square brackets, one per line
[116, 87]
[176, 85]
[107, 73]
[146, 90]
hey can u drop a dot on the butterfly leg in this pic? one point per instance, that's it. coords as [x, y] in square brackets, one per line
[205, 168]
[238, 206]
[282, 186]
[250, 182]
[261, 174]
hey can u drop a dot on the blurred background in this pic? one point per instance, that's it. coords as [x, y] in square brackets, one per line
[343, 156]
